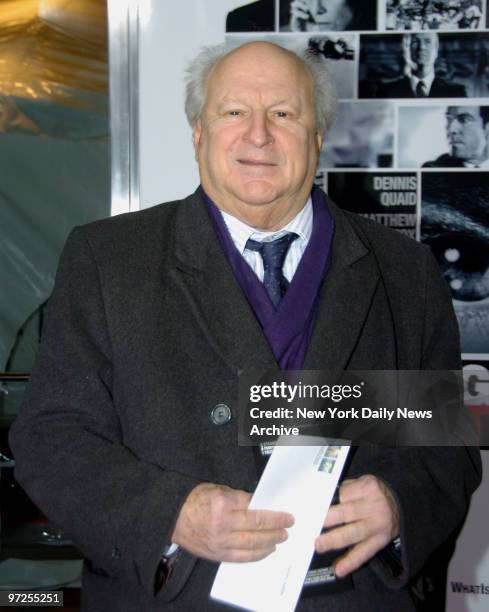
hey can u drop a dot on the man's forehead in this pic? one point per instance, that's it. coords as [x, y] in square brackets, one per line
[263, 68]
[244, 93]
[424, 37]
[259, 58]
[241, 88]
[453, 111]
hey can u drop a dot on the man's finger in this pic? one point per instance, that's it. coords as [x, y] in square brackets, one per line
[300, 14]
[350, 512]
[355, 557]
[256, 540]
[245, 556]
[257, 520]
[342, 537]
[351, 490]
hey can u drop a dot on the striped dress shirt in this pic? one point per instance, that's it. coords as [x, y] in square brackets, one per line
[301, 224]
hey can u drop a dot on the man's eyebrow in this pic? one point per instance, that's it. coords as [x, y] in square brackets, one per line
[231, 99]
[285, 101]
[242, 99]
[463, 114]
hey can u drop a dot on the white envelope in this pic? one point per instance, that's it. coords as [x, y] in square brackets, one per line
[300, 480]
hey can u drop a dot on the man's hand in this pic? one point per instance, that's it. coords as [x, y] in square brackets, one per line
[369, 519]
[215, 523]
[299, 15]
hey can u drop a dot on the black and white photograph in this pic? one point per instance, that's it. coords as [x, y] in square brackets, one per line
[431, 15]
[459, 136]
[455, 225]
[256, 16]
[390, 198]
[327, 465]
[424, 65]
[321, 179]
[327, 15]
[338, 52]
[362, 136]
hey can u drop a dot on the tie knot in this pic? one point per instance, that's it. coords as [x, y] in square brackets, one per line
[273, 252]
[421, 89]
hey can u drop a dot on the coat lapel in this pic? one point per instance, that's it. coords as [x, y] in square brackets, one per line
[203, 274]
[345, 298]
[201, 271]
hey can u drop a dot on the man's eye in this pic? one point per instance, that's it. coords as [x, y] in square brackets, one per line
[464, 262]
[281, 114]
[234, 113]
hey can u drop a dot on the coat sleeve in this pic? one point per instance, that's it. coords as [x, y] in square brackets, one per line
[432, 485]
[68, 446]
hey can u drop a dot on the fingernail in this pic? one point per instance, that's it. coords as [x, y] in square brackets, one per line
[320, 547]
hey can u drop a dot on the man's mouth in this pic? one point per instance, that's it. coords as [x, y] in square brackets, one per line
[255, 162]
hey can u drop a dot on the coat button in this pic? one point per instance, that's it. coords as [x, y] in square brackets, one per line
[116, 553]
[221, 414]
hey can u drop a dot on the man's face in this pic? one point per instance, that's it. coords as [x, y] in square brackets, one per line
[256, 142]
[466, 134]
[424, 49]
[330, 14]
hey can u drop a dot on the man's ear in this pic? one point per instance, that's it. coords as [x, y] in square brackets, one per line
[486, 134]
[196, 136]
[319, 140]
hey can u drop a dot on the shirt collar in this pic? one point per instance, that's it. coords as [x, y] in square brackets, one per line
[428, 81]
[482, 164]
[240, 232]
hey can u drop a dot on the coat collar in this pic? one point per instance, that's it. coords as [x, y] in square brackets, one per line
[220, 305]
[224, 314]
[345, 298]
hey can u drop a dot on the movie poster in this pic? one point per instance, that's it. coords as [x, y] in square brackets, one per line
[410, 144]
[390, 199]
[410, 149]
[454, 223]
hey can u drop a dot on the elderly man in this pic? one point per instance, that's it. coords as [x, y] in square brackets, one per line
[128, 434]
[420, 51]
[467, 135]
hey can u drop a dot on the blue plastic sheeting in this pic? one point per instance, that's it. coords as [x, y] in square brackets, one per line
[54, 174]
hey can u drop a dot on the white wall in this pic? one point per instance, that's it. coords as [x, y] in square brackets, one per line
[171, 33]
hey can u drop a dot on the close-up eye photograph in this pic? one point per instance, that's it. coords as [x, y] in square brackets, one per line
[454, 224]
[244, 305]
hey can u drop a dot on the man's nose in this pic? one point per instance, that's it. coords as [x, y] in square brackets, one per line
[258, 130]
[454, 126]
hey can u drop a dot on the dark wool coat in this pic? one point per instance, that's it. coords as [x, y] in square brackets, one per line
[146, 331]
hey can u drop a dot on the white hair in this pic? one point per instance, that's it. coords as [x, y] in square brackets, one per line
[199, 69]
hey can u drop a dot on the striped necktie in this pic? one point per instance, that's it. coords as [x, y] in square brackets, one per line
[421, 90]
[273, 254]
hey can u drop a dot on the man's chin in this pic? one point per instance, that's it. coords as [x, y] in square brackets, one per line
[458, 153]
[257, 194]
